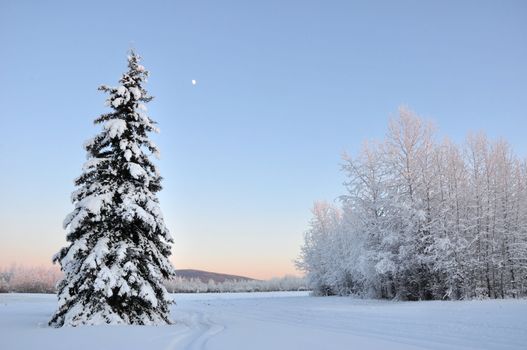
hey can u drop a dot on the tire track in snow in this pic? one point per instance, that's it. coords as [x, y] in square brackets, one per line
[200, 329]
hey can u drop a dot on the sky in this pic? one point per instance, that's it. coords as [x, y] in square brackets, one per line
[283, 89]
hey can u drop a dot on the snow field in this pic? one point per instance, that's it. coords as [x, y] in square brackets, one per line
[279, 320]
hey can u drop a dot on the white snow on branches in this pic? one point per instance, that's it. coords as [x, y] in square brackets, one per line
[97, 254]
[121, 90]
[115, 127]
[135, 92]
[136, 170]
[117, 102]
[127, 155]
[132, 210]
[89, 204]
[94, 203]
[148, 294]
[92, 163]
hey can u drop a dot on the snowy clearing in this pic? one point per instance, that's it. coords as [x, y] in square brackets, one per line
[279, 320]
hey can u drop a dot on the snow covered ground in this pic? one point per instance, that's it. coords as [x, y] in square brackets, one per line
[281, 320]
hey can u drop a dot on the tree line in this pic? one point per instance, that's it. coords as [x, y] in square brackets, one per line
[40, 279]
[423, 219]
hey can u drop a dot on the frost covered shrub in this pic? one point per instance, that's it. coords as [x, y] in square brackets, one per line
[195, 285]
[4, 287]
[29, 279]
[422, 219]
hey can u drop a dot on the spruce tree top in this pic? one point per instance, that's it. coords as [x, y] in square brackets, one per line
[119, 244]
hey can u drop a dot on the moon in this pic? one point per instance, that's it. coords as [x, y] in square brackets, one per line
[194, 82]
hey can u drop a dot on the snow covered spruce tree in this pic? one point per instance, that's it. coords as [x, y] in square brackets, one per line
[119, 246]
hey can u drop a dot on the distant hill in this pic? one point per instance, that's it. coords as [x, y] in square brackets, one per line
[205, 276]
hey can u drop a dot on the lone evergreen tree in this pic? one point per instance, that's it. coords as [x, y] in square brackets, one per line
[119, 245]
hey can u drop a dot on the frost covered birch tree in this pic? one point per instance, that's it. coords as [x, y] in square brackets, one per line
[119, 246]
[318, 253]
[422, 219]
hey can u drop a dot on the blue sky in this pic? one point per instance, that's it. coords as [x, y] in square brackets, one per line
[284, 87]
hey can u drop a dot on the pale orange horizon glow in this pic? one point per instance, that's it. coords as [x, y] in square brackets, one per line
[257, 267]
[252, 270]
[251, 248]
